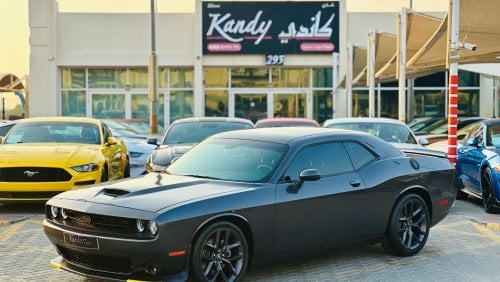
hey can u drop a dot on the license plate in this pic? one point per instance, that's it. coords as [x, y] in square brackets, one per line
[79, 241]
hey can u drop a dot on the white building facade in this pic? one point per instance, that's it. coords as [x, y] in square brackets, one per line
[251, 64]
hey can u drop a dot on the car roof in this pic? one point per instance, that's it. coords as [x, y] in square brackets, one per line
[361, 120]
[213, 119]
[284, 135]
[61, 119]
[286, 120]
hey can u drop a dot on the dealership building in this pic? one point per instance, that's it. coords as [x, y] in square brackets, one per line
[236, 59]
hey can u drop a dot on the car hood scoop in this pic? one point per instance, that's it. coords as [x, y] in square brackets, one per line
[152, 192]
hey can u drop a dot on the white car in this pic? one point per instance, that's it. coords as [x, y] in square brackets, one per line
[391, 130]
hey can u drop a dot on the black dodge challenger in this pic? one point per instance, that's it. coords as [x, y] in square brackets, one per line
[249, 196]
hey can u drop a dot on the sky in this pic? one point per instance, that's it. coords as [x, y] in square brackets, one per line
[14, 27]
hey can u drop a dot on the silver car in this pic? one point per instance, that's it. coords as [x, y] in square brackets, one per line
[391, 130]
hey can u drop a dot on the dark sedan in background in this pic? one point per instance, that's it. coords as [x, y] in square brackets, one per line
[478, 164]
[248, 196]
[184, 133]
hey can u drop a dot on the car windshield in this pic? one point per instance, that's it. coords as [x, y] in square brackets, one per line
[494, 135]
[61, 132]
[195, 132]
[231, 159]
[395, 133]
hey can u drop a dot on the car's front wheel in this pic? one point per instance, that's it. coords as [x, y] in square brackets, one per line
[104, 174]
[488, 191]
[408, 227]
[220, 253]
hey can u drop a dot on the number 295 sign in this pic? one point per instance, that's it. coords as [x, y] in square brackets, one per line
[275, 59]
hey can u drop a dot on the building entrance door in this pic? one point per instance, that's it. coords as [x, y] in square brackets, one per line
[252, 106]
[290, 104]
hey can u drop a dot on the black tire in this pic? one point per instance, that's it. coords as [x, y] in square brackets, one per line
[104, 174]
[488, 191]
[220, 253]
[461, 195]
[408, 227]
[126, 172]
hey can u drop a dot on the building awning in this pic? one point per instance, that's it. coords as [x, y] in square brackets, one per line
[419, 28]
[385, 53]
[427, 41]
[10, 83]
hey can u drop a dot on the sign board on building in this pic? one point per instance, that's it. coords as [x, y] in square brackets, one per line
[245, 27]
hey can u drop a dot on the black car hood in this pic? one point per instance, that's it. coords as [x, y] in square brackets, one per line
[152, 192]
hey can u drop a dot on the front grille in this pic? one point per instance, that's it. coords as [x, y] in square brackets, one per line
[34, 174]
[120, 227]
[97, 262]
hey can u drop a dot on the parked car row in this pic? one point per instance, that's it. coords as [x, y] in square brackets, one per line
[476, 166]
[218, 187]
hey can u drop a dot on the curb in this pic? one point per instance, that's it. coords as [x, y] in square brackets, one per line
[8, 222]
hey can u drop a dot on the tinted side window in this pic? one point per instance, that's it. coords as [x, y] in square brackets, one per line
[328, 158]
[359, 154]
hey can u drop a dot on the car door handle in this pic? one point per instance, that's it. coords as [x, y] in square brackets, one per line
[355, 183]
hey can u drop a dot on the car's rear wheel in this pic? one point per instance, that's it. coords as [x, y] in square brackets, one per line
[408, 227]
[488, 191]
[220, 253]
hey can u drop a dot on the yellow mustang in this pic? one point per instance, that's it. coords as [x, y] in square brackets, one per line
[41, 157]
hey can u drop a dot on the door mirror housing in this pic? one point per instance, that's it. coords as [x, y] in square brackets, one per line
[423, 141]
[111, 141]
[153, 141]
[308, 174]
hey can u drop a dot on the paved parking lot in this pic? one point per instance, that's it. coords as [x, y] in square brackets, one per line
[463, 247]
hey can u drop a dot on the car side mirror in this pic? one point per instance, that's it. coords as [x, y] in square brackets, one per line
[111, 141]
[309, 174]
[153, 141]
[423, 141]
[474, 141]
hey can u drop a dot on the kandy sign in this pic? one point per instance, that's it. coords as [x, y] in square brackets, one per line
[270, 27]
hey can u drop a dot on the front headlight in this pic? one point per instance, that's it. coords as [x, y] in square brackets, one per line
[86, 167]
[139, 224]
[153, 227]
[54, 211]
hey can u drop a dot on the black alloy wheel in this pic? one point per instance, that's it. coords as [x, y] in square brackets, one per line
[220, 253]
[408, 227]
[488, 191]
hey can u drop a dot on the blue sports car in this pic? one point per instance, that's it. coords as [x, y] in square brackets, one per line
[478, 164]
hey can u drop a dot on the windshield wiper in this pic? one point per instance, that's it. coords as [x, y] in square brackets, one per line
[201, 176]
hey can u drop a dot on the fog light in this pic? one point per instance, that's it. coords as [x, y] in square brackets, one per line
[54, 211]
[151, 269]
[63, 213]
[152, 227]
[139, 225]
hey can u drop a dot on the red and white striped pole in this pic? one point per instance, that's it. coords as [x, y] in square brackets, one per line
[453, 81]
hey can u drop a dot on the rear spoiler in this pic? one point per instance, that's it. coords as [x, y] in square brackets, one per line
[425, 152]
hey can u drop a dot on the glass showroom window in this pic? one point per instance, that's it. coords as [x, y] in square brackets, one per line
[138, 78]
[216, 103]
[181, 104]
[250, 77]
[216, 82]
[108, 106]
[322, 94]
[140, 108]
[73, 84]
[107, 78]
[290, 77]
